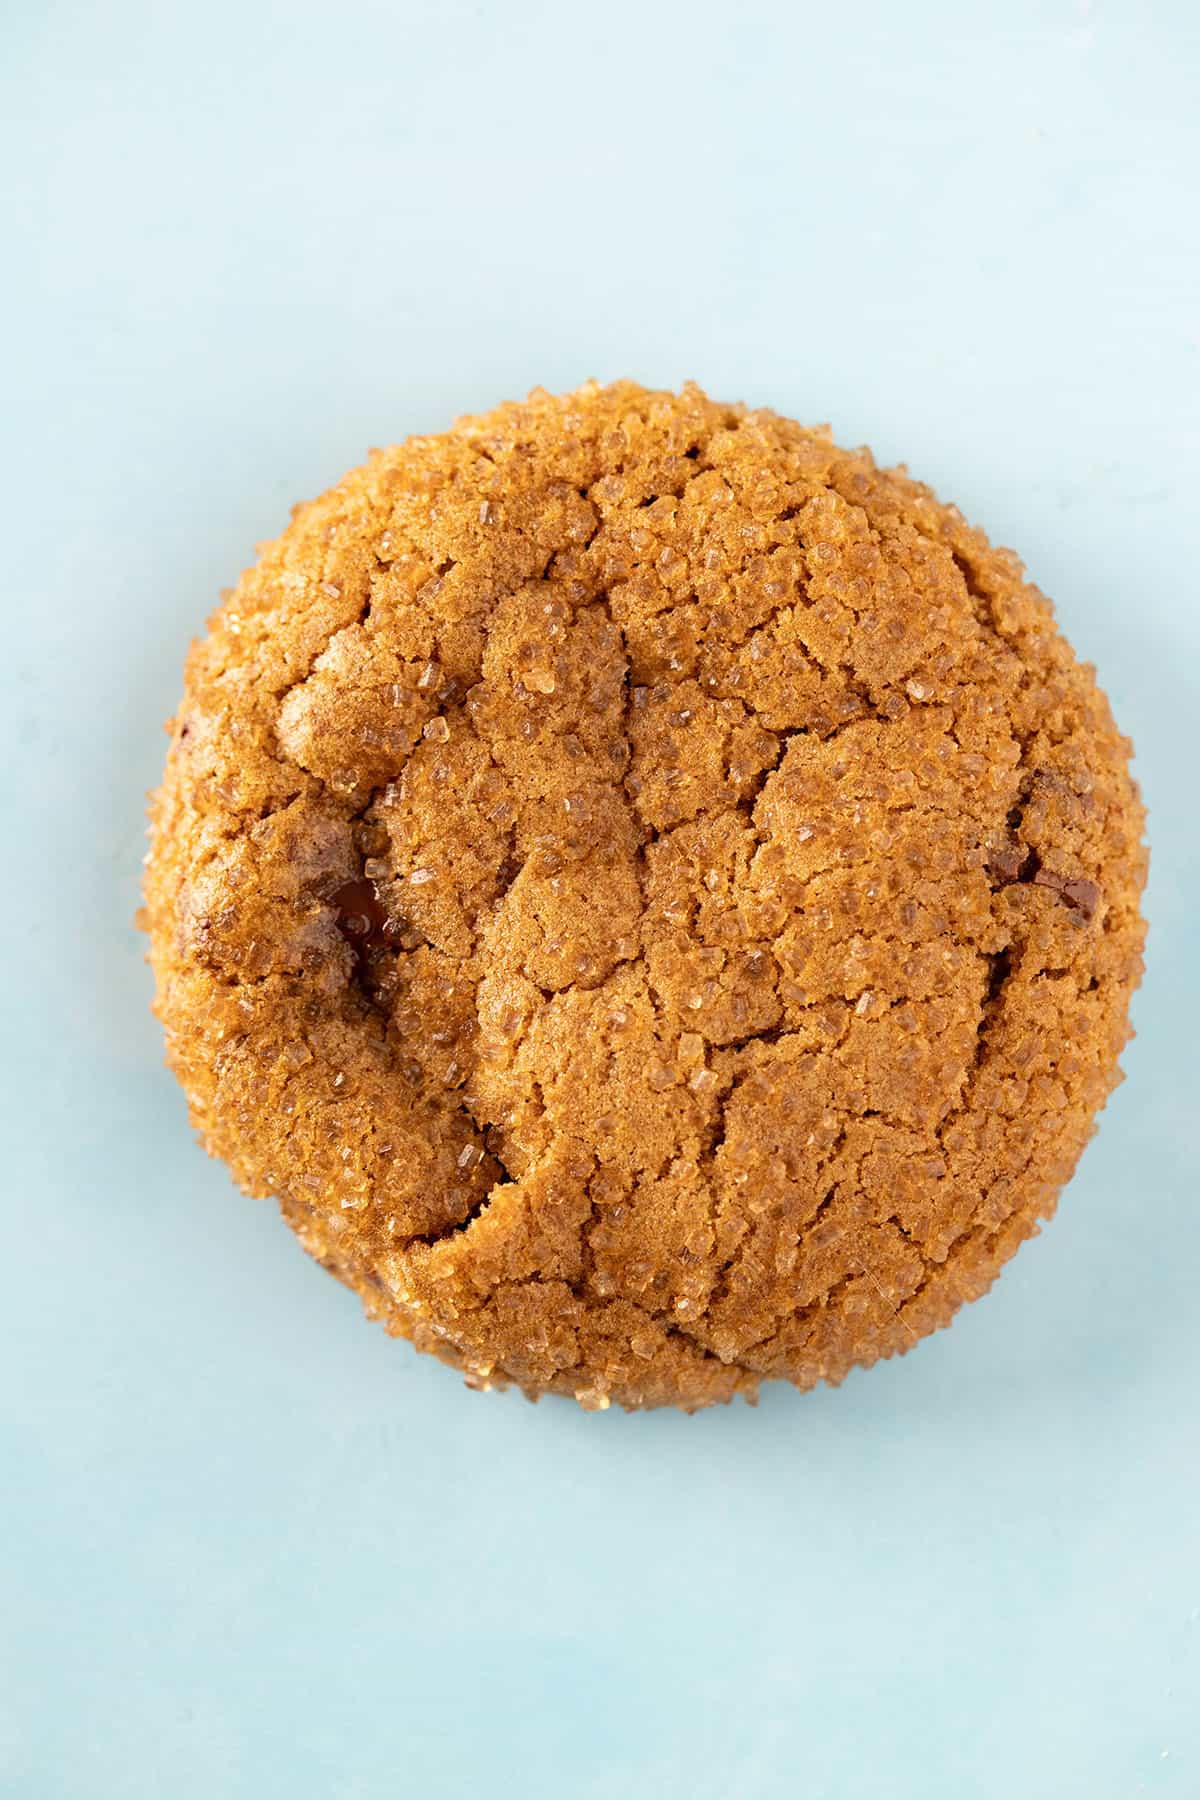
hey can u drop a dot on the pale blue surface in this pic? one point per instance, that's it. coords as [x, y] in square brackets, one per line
[248, 1546]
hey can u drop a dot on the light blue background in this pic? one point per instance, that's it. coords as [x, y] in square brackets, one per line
[248, 1546]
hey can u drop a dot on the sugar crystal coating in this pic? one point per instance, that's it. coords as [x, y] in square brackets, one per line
[651, 894]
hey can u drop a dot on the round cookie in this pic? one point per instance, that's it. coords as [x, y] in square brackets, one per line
[651, 894]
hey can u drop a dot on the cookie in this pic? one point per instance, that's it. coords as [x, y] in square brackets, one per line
[651, 894]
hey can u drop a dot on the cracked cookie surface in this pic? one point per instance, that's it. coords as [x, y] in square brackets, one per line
[651, 894]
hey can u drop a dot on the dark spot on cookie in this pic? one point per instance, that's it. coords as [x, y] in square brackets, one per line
[507, 873]
[1013, 862]
[361, 918]
[1079, 893]
[1008, 862]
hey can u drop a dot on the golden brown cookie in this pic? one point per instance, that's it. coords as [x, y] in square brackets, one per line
[652, 894]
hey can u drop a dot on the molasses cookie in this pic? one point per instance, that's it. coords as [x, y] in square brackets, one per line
[651, 894]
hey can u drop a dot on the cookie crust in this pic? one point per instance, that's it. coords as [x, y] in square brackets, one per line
[651, 894]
